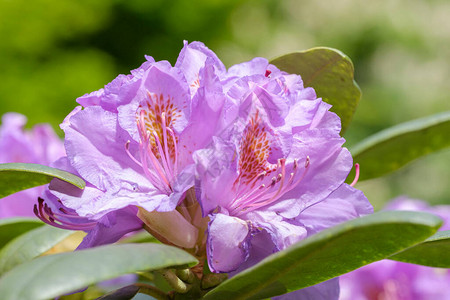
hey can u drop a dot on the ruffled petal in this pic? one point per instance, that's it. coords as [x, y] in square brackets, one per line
[329, 165]
[95, 146]
[193, 57]
[216, 170]
[344, 204]
[205, 119]
[283, 232]
[112, 227]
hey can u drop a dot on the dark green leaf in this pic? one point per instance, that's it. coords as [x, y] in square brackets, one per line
[394, 147]
[30, 245]
[328, 254]
[13, 227]
[330, 73]
[15, 177]
[434, 252]
[53, 275]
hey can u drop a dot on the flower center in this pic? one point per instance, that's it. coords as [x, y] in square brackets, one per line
[259, 182]
[158, 141]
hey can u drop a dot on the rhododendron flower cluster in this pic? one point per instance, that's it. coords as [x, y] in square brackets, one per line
[231, 165]
[40, 145]
[389, 279]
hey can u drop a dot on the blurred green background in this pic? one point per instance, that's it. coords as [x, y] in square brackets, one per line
[51, 52]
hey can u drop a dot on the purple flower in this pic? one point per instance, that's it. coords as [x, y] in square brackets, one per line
[249, 150]
[40, 145]
[133, 141]
[388, 279]
[276, 174]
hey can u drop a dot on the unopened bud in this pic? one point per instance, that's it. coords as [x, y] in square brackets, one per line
[172, 226]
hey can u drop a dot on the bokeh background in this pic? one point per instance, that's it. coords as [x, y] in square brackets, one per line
[51, 52]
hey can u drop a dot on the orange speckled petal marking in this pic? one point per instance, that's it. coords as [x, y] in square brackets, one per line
[255, 187]
[254, 151]
[157, 115]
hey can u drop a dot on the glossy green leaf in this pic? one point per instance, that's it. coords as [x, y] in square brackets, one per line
[30, 245]
[434, 252]
[11, 228]
[328, 254]
[15, 177]
[394, 147]
[53, 275]
[330, 73]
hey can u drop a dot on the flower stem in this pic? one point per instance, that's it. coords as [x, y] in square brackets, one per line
[186, 275]
[176, 283]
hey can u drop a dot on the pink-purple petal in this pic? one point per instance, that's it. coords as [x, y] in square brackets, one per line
[344, 204]
[228, 242]
[112, 227]
[193, 57]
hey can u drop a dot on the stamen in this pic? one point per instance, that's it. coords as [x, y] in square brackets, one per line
[164, 131]
[268, 72]
[162, 156]
[262, 196]
[156, 164]
[148, 172]
[127, 150]
[150, 175]
[175, 148]
[45, 213]
[65, 211]
[356, 175]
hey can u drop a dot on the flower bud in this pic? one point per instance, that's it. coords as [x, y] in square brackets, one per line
[171, 226]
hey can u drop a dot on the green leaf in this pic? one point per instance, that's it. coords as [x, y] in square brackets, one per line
[328, 254]
[394, 147]
[15, 177]
[13, 227]
[434, 252]
[140, 237]
[53, 275]
[330, 73]
[30, 245]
